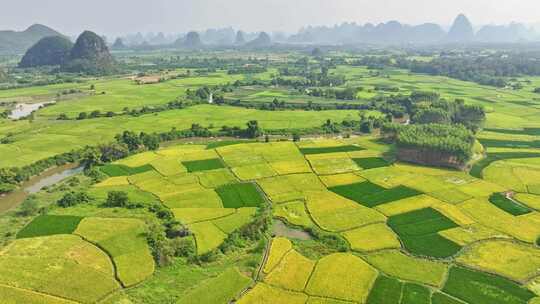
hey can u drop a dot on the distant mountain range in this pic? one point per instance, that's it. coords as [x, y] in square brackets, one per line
[12, 42]
[389, 33]
[394, 32]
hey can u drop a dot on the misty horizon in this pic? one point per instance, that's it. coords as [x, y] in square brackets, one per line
[254, 16]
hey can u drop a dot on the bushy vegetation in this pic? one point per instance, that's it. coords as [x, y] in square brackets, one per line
[491, 70]
[432, 139]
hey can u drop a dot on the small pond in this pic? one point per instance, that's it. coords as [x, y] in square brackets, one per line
[281, 229]
[22, 110]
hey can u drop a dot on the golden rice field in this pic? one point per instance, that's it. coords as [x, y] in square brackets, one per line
[403, 225]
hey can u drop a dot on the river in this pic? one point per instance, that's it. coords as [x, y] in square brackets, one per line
[36, 183]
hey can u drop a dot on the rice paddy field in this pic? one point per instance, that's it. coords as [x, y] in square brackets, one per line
[378, 231]
[416, 234]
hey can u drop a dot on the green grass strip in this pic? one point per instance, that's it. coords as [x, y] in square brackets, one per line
[323, 150]
[415, 294]
[418, 230]
[507, 205]
[224, 143]
[114, 170]
[479, 166]
[357, 191]
[371, 162]
[441, 298]
[240, 195]
[390, 195]
[497, 143]
[482, 288]
[385, 291]
[370, 195]
[45, 225]
[221, 289]
[203, 165]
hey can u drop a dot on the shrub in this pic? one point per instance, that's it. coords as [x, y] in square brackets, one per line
[183, 247]
[117, 199]
[72, 199]
[6, 188]
[29, 207]
[331, 240]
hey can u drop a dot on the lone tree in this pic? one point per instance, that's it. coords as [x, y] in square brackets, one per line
[117, 199]
[253, 130]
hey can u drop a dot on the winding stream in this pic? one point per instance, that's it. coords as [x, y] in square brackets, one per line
[36, 183]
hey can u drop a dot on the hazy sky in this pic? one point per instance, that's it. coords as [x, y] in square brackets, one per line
[114, 17]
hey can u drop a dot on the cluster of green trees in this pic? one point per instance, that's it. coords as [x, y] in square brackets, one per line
[201, 94]
[537, 90]
[247, 69]
[36, 78]
[71, 199]
[373, 62]
[306, 76]
[428, 107]
[493, 69]
[342, 94]
[446, 112]
[454, 140]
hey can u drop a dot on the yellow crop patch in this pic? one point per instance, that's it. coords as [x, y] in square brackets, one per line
[372, 237]
[215, 178]
[292, 273]
[407, 205]
[291, 167]
[290, 187]
[64, 257]
[453, 213]
[531, 200]
[180, 150]
[336, 213]
[252, 172]
[201, 198]
[207, 236]
[124, 241]
[341, 179]
[140, 159]
[481, 188]
[14, 295]
[342, 276]
[333, 165]
[387, 177]
[294, 213]
[194, 215]
[487, 214]
[504, 257]
[279, 247]
[470, 234]
[114, 181]
[265, 294]
[168, 166]
[409, 268]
